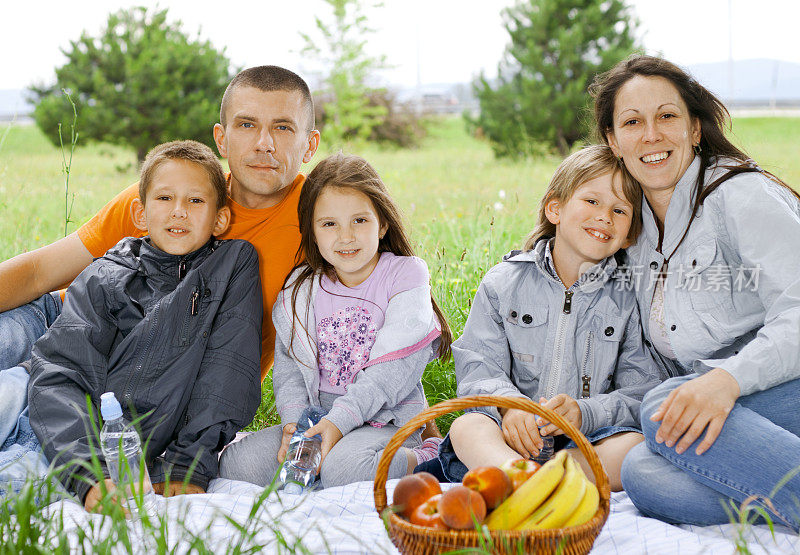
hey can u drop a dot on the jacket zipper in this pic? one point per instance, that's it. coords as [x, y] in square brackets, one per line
[586, 379]
[181, 269]
[195, 295]
[140, 363]
[558, 350]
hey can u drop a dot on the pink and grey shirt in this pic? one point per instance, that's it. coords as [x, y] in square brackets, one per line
[348, 318]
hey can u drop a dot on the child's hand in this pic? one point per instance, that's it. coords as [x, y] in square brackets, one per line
[288, 430]
[564, 406]
[94, 495]
[521, 433]
[330, 435]
[176, 488]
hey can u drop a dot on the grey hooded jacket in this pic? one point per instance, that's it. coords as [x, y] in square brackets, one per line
[176, 338]
[528, 336]
[388, 389]
[732, 290]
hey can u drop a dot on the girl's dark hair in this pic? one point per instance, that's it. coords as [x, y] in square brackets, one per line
[702, 104]
[343, 171]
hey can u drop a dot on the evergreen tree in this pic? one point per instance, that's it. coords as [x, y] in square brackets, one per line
[140, 83]
[557, 47]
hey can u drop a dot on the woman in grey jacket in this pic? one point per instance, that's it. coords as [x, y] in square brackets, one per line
[558, 323]
[719, 293]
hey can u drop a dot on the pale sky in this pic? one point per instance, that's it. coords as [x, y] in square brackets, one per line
[437, 40]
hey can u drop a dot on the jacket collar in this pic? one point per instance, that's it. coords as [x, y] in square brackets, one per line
[145, 257]
[542, 257]
[678, 212]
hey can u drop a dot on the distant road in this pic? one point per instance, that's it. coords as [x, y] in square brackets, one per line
[765, 112]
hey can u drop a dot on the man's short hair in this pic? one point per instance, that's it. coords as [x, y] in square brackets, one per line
[269, 78]
[191, 151]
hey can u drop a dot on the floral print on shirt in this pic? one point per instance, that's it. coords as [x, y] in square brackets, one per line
[344, 342]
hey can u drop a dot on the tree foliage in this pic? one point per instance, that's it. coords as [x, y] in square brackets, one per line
[141, 82]
[348, 112]
[557, 47]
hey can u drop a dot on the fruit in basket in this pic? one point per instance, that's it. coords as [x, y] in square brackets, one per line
[491, 482]
[462, 507]
[428, 514]
[413, 490]
[519, 470]
[557, 509]
[529, 495]
[586, 508]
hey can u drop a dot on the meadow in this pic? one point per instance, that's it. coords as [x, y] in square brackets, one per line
[464, 208]
[464, 211]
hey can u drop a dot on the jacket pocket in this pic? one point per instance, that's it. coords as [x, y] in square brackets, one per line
[705, 277]
[601, 351]
[526, 332]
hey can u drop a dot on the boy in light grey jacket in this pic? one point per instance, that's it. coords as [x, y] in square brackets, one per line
[558, 323]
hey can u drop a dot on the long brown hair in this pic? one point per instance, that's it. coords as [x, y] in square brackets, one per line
[714, 119]
[351, 172]
[576, 169]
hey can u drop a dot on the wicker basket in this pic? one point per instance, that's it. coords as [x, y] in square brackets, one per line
[412, 539]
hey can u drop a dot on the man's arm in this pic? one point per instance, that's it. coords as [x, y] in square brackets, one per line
[30, 275]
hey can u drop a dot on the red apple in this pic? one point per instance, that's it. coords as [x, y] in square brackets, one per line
[461, 507]
[428, 514]
[519, 470]
[413, 490]
[491, 482]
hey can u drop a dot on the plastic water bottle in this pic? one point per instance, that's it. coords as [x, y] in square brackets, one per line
[299, 470]
[546, 453]
[122, 450]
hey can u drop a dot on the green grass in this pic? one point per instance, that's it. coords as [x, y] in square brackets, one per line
[464, 209]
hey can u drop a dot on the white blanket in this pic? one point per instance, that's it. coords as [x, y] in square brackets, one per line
[343, 520]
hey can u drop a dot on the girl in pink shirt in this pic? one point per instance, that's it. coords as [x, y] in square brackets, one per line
[356, 326]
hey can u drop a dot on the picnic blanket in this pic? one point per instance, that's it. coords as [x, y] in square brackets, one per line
[343, 520]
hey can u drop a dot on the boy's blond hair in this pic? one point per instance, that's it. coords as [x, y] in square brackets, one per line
[576, 169]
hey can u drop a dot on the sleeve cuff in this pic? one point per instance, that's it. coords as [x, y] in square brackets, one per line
[179, 474]
[291, 413]
[592, 415]
[742, 371]
[343, 419]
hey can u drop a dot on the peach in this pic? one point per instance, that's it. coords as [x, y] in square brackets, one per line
[491, 482]
[428, 514]
[461, 507]
[519, 470]
[412, 491]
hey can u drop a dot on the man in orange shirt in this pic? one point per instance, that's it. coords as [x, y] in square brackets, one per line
[266, 132]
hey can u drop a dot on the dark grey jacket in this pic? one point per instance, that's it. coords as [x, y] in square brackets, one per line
[176, 338]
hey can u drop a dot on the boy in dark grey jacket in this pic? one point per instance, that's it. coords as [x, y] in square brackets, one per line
[171, 323]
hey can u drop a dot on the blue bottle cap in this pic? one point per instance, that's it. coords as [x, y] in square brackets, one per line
[109, 406]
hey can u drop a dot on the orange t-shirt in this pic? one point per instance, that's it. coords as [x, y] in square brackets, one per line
[273, 231]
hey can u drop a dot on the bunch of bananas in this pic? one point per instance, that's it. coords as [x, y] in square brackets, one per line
[556, 496]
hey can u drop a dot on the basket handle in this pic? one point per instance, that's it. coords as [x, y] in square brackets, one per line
[450, 405]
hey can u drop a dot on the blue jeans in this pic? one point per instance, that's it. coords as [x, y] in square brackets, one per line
[22, 326]
[447, 467]
[758, 446]
[21, 455]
